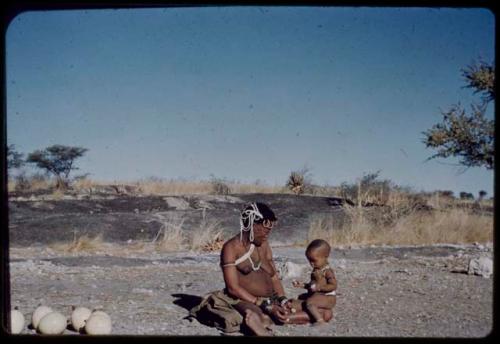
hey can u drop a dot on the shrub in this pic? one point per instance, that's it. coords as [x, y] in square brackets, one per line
[466, 195]
[369, 189]
[207, 237]
[219, 186]
[299, 181]
[170, 236]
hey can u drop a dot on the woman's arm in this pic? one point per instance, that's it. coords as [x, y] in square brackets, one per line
[228, 256]
[277, 286]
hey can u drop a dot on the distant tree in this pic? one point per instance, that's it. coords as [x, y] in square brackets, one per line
[14, 158]
[446, 193]
[57, 160]
[471, 137]
[466, 195]
[482, 194]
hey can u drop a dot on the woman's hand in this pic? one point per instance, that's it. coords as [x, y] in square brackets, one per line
[279, 314]
[298, 284]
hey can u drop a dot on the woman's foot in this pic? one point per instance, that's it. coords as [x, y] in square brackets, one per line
[254, 322]
[267, 321]
[319, 323]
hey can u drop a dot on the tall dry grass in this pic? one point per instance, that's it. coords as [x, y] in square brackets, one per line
[208, 236]
[416, 227]
[82, 243]
[180, 187]
[171, 235]
[172, 187]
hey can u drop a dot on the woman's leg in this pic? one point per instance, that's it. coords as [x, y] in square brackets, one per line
[254, 318]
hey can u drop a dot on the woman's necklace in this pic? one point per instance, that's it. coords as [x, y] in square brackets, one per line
[249, 253]
[255, 268]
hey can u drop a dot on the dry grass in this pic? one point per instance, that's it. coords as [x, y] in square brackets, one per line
[83, 243]
[201, 187]
[239, 188]
[415, 228]
[11, 186]
[171, 236]
[84, 183]
[152, 187]
[207, 237]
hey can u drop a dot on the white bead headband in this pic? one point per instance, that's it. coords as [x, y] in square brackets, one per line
[251, 215]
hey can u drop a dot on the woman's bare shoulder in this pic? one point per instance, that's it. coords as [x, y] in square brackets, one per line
[231, 245]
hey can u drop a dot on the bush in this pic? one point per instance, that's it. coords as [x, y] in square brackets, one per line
[22, 183]
[369, 189]
[299, 181]
[446, 193]
[219, 186]
[466, 195]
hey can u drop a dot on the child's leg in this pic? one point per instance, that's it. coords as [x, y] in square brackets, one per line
[316, 306]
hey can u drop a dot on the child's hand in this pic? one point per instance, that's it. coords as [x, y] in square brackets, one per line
[312, 287]
[297, 284]
[288, 306]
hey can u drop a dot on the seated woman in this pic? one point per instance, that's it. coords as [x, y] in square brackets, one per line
[253, 287]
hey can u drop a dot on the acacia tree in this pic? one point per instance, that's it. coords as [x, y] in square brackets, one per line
[482, 194]
[471, 137]
[14, 158]
[57, 160]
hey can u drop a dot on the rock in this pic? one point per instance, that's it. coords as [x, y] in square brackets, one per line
[341, 264]
[482, 266]
[177, 203]
[290, 270]
[200, 204]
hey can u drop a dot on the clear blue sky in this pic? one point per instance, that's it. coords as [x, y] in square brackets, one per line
[246, 93]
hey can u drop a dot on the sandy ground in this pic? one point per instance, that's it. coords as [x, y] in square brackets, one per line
[387, 291]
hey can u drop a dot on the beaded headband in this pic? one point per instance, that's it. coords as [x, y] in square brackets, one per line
[249, 215]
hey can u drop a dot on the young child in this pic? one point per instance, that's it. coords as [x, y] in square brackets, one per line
[321, 289]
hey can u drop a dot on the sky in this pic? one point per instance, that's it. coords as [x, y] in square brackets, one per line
[247, 93]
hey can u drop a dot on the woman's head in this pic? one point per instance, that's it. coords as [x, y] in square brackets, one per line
[257, 215]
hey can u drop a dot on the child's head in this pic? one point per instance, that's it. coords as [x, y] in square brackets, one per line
[317, 253]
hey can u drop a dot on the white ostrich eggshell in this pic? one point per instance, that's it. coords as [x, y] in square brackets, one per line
[101, 313]
[98, 324]
[38, 314]
[16, 321]
[79, 316]
[52, 323]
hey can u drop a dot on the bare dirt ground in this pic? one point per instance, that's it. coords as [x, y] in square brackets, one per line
[383, 291]
[396, 292]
